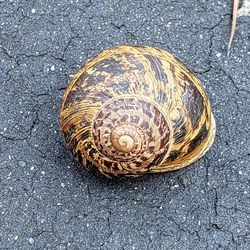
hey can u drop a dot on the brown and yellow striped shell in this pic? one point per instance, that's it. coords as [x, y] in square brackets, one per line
[136, 109]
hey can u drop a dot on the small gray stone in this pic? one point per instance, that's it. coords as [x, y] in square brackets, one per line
[22, 163]
[184, 181]
[31, 240]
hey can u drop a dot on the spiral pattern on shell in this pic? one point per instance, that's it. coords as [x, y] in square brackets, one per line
[130, 128]
[136, 109]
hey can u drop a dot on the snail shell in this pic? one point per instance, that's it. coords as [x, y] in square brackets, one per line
[136, 109]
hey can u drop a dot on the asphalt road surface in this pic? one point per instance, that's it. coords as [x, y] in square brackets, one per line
[48, 201]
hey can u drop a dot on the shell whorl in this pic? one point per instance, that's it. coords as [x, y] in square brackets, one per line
[126, 138]
[136, 109]
[131, 130]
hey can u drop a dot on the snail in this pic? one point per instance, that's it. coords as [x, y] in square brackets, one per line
[132, 110]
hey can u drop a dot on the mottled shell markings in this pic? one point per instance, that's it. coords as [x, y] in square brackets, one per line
[136, 109]
[125, 132]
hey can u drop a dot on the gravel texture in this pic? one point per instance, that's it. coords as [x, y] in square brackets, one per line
[48, 201]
